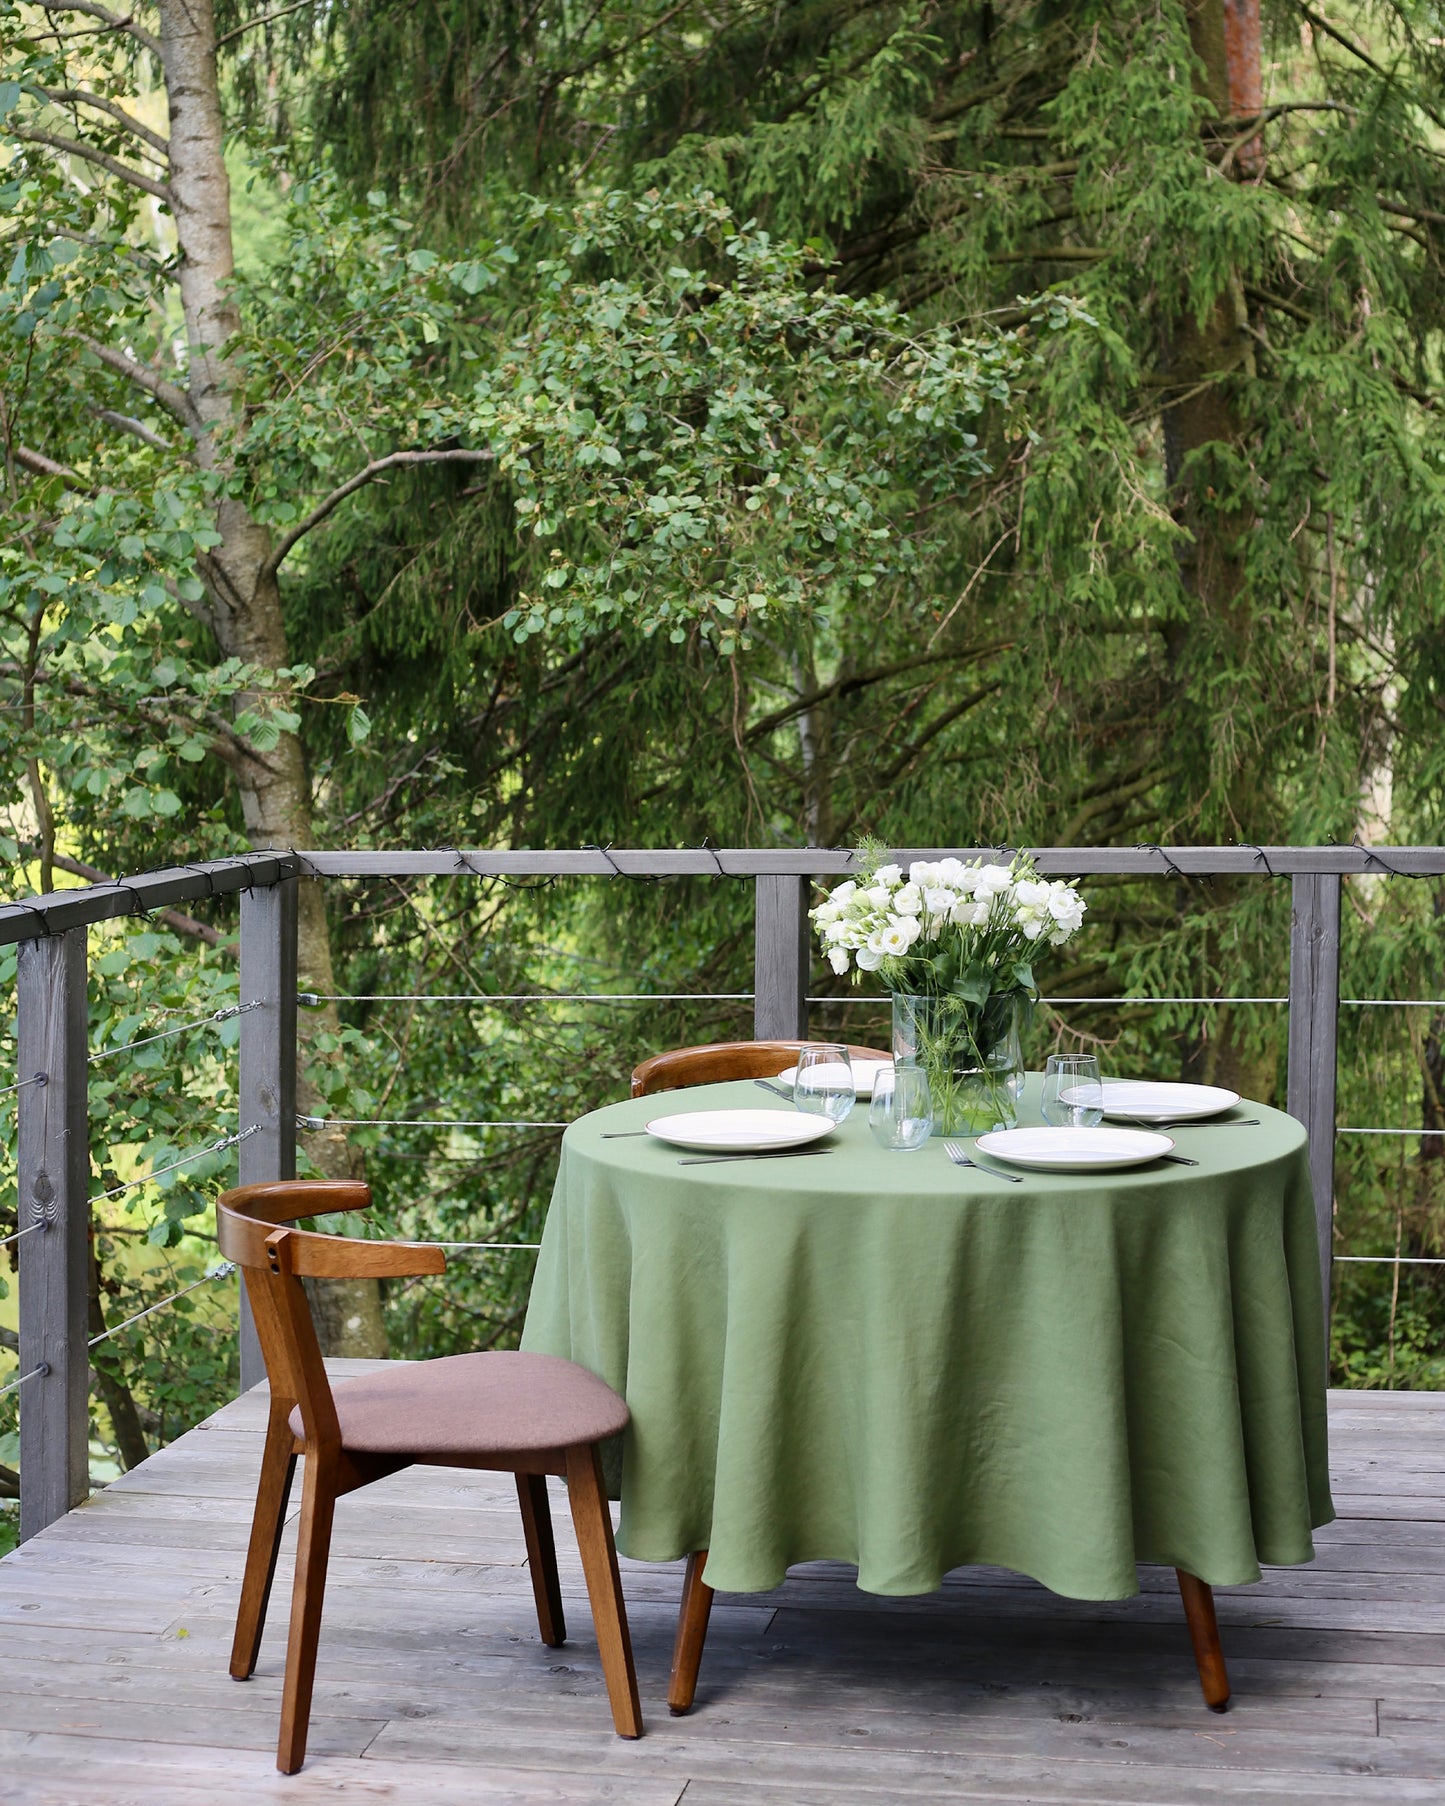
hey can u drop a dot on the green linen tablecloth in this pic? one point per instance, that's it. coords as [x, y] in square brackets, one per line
[884, 1359]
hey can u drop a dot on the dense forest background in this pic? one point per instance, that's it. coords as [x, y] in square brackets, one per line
[470, 423]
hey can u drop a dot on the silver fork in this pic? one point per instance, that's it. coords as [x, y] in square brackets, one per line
[959, 1158]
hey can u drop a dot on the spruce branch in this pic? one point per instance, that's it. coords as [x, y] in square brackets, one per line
[1421, 213]
[1053, 254]
[239, 31]
[862, 680]
[1320, 23]
[392, 461]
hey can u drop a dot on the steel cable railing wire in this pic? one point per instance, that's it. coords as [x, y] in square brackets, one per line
[184, 1028]
[214, 1147]
[315, 999]
[312, 1123]
[222, 1270]
[35, 1373]
[40, 1078]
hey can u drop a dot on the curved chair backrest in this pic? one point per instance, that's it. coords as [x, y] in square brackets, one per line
[253, 1229]
[721, 1060]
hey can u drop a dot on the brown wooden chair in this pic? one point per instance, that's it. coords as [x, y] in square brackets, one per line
[526, 1414]
[722, 1060]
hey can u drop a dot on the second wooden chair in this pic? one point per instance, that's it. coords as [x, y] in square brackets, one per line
[722, 1060]
[526, 1414]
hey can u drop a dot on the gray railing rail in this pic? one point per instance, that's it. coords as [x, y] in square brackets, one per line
[52, 1177]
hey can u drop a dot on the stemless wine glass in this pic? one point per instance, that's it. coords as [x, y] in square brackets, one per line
[1073, 1091]
[901, 1113]
[824, 1083]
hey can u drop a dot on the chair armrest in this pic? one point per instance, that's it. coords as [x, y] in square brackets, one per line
[343, 1257]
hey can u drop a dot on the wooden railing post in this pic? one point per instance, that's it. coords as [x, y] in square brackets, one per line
[780, 959]
[1314, 1009]
[267, 1081]
[53, 1158]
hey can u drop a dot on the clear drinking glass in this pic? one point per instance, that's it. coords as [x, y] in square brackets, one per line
[901, 1113]
[824, 1084]
[1073, 1091]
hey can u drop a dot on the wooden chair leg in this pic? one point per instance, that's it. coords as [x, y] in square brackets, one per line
[542, 1557]
[273, 1493]
[313, 1546]
[1204, 1634]
[593, 1521]
[692, 1620]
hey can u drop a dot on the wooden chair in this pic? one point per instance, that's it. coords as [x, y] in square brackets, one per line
[723, 1060]
[526, 1414]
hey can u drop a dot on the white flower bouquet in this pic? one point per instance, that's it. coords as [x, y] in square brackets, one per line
[955, 944]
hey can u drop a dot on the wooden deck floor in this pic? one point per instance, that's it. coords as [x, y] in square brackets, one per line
[433, 1689]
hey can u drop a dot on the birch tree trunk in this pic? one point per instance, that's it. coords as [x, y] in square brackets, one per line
[243, 597]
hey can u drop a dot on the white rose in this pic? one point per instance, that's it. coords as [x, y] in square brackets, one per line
[897, 937]
[982, 910]
[921, 872]
[891, 875]
[834, 932]
[939, 899]
[951, 871]
[843, 892]
[1033, 892]
[1064, 901]
[869, 961]
[838, 960]
[1031, 930]
[908, 901]
[991, 879]
[879, 896]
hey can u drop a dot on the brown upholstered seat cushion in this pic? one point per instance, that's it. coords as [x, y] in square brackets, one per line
[474, 1406]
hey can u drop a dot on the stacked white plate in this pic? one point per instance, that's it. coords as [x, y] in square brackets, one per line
[739, 1131]
[1145, 1100]
[864, 1073]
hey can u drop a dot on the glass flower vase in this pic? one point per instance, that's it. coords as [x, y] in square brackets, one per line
[971, 1056]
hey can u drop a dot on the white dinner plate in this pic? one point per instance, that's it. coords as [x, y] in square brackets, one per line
[723, 1131]
[864, 1073]
[1147, 1101]
[1074, 1150]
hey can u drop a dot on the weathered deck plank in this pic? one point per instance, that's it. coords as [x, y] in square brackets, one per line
[434, 1688]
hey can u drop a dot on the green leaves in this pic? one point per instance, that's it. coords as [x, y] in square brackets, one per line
[787, 435]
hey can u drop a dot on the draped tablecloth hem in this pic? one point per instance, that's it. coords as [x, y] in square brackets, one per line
[751, 1581]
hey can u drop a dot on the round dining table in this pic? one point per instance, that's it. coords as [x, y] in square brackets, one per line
[882, 1358]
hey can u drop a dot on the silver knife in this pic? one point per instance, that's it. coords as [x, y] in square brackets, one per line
[760, 1154]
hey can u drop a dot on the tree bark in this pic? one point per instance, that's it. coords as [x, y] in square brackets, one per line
[119, 1401]
[242, 593]
[1201, 359]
